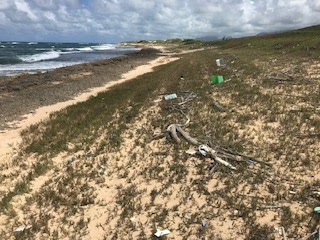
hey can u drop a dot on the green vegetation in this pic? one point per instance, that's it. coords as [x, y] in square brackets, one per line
[271, 101]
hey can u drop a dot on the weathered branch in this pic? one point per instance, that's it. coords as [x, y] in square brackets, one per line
[225, 163]
[218, 159]
[218, 106]
[242, 155]
[172, 129]
[273, 207]
[187, 136]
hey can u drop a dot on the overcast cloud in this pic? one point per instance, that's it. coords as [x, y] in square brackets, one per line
[121, 20]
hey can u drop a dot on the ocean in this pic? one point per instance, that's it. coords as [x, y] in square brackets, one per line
[32, 57]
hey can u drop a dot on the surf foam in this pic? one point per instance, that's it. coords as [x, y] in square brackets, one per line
[39, 56]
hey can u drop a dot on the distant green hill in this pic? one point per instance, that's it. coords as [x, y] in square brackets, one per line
[304, 41]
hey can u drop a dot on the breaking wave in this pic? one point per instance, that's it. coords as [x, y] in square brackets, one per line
[40, 56]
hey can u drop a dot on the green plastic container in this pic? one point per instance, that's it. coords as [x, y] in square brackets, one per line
[216, 79]
[316, 209]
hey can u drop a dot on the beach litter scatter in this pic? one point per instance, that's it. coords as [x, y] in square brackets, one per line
[221, 62]
[203, 223]
[216, 79]
[170, 96]
[316, 209]
[22, 228]
[218, 154]
[160, 233]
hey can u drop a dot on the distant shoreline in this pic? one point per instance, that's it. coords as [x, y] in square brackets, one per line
[70, 85]
[27, 57]
[22, 94]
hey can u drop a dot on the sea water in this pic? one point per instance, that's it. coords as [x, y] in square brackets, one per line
[32, 57]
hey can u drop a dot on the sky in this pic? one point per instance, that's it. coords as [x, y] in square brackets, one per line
[124, 20]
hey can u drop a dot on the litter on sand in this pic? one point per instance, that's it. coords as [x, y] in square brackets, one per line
[316, 209]
[203, 223]
[221, 63]
[170, 96]
[216, 79]
[22, 228]
[160, 233]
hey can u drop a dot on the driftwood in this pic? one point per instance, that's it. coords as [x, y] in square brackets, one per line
[218, 106]
[212, 153]
[187, 136]
[235, 153]
[284, 77]
[272, 207]
[225, 163]
[284, 234]
[174, 128]
[311, 235]
[220, 160]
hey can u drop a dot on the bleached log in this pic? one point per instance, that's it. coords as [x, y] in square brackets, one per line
[172, 129]
[187, 136]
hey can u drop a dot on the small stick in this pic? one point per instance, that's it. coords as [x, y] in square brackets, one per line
[242, 155]
[272, 207]
[284, 234]
[224, 162]
[215, 157]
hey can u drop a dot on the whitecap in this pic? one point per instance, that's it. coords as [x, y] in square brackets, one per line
[32, 43]
[104, 47]
[9, 70]
[39, 56]
[85, 49]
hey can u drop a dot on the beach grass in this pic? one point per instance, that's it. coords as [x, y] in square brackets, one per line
[270, 98]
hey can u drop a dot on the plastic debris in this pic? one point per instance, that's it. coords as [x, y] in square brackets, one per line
[160, 233]
[216, 79]
[316, 209]
[157, 100]
[170, 96]
[203, 223]
[221, 62]
[250, 162]
[22, 228]
[203, 149]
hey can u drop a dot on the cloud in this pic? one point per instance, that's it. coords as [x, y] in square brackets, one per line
[118, 20]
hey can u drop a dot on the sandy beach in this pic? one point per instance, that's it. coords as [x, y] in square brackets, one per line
[28, 99]
[106, 168]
